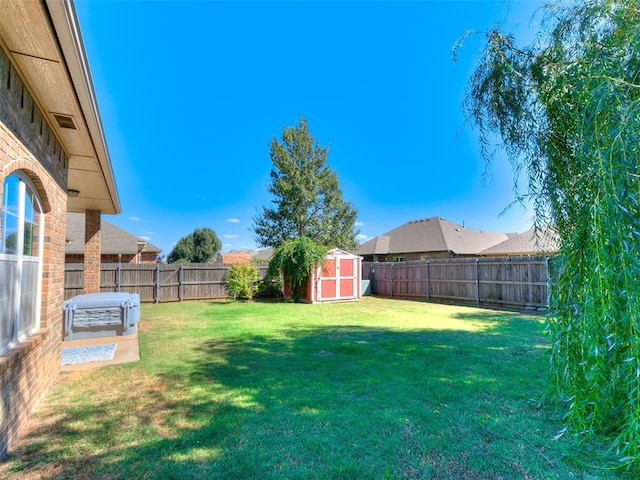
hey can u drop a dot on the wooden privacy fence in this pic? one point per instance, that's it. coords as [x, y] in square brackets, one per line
[519, 282]
[157, 282]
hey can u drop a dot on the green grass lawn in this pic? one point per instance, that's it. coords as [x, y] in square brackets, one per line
[376, 389]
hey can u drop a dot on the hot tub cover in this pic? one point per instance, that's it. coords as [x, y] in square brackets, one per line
[101, 314]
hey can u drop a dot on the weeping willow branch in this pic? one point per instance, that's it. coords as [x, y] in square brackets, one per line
[567, 111]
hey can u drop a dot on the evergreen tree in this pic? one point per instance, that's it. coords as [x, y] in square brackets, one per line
[308, 200]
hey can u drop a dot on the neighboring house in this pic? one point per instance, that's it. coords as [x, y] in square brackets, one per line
[235, 256]
[532, 242]
[263, 256]
[432, 237]
[246, 255]
[53, 159]
[118, 245]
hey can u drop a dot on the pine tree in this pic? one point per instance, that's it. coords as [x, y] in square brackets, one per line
[307, 196]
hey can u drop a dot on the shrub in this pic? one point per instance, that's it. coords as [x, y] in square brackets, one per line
[269, 287]
[242, 281]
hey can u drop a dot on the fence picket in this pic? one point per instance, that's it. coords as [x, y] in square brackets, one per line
[156, 282]
[519, 282]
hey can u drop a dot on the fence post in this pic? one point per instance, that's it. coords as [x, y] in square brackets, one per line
[428, 286]
[181, 283]
[546, 264]
[118, 278]
[372, 278]
[477, 282]
[157, 283]
[392, 279]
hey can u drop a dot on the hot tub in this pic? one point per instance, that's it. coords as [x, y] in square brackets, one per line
[100, 315]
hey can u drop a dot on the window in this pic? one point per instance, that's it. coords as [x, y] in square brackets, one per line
[21, 236]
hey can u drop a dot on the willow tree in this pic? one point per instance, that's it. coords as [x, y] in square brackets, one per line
[295, 260]
[567, 111]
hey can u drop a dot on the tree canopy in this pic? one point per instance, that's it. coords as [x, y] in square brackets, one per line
[200, 246]
[307, 196]
[567, 109]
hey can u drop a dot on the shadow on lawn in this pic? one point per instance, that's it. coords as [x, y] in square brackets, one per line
[330, 402]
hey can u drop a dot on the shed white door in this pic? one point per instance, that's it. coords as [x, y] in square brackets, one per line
[338, 278]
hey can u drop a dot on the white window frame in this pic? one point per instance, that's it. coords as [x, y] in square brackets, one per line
[18, 276]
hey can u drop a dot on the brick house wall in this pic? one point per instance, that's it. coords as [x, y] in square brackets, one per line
[233, 257]
[148, 257]
[28, 145]
[145, 257]
[74, 258]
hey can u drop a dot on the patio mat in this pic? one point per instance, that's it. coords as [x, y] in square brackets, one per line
[92, 353]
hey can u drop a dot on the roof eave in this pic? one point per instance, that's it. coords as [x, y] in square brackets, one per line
[67, 29]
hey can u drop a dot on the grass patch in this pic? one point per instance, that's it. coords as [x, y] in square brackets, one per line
[376, 389]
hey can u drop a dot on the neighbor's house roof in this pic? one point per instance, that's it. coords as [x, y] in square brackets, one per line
[114, 240]
[433, 234]
[531, 242]
[263, 255]
[245, 255]
[235, 256]
[43, 40]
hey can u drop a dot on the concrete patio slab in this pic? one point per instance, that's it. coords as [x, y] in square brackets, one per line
[127, 350]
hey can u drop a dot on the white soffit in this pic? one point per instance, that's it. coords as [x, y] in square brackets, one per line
[44, 43]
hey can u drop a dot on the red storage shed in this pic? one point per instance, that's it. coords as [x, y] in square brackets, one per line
[338, 279]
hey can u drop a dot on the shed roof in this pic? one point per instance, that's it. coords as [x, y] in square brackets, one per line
[434, 234]
[114, 240]
[338, 251]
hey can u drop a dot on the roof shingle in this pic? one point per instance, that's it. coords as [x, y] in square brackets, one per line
[114, 240]
[531, 242]
[433, 234]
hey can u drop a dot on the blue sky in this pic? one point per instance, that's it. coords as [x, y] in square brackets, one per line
[191, 93]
